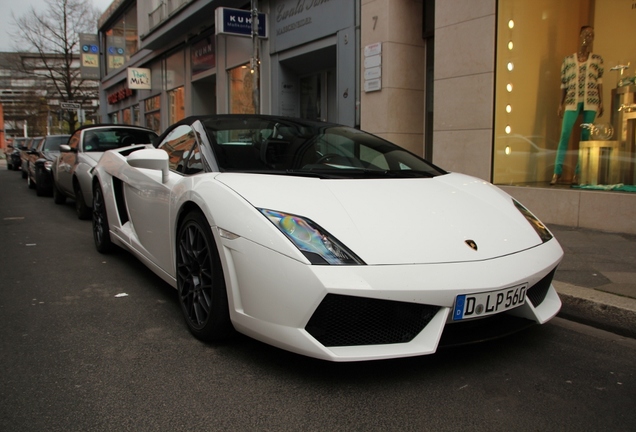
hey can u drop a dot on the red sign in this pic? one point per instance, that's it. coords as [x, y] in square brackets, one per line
[120, 95]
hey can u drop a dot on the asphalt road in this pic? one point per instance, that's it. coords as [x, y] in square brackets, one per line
[94, 342]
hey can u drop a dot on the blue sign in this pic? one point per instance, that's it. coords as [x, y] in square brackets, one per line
[239, 22]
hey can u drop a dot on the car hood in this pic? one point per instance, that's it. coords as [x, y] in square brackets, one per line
[399, 221]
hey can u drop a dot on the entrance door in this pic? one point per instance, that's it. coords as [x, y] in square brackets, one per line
[318, 96]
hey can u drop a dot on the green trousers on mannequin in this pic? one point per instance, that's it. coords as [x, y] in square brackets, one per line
[569, 117]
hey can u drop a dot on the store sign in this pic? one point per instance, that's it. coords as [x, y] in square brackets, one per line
[373, 67]
[119, 95]
[239, 22]
[139, 78]
[203, 56]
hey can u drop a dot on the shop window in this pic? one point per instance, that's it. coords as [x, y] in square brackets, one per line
[175, 70]
[135, 115]
[121, 40]
[241, 85]
[537, 40]
[177, 105]
[126, 116]
[114, 118]
[153, 113]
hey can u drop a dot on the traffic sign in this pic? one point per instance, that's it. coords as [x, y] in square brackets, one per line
[70, 105]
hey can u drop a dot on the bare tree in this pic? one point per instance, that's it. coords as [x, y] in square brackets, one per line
[52, 36]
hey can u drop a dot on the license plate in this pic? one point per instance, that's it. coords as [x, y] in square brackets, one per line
[488, 303]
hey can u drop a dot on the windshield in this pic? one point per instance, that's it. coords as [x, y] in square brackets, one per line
[52, 143]
[309, 148]
[103, 139]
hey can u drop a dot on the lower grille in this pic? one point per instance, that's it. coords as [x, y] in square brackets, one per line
[538, 291]
[351, 321]
[481, 330]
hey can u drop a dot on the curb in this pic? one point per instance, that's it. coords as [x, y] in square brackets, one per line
[599, 309]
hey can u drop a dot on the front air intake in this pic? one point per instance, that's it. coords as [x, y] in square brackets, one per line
[342, 320]
[538, 291]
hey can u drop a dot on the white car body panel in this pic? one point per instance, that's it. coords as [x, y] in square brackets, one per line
[273, 290]
[353, 208]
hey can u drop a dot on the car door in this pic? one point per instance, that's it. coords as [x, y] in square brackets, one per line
[149, 200]
[66, 162]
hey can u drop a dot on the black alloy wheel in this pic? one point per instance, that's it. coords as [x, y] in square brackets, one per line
[101, 236]
[200, 282]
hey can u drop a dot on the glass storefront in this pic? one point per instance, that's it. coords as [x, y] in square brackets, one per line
[557, 77]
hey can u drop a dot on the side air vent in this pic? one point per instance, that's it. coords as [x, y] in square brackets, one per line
[118, 190]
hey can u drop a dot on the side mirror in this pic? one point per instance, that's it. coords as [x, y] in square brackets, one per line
[154, 159]
[65, 148]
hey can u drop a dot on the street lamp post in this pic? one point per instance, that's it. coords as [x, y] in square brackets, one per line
[255, 59]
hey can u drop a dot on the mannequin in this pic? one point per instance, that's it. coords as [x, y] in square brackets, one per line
[581, 91]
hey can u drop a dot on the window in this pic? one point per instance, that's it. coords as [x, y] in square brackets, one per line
[177, 105]
[122, 40]
[127, 116]
[153, 113]
[537, 39]
[241, 85]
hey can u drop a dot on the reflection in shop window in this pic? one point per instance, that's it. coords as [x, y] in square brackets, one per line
[530, 58]
[241, 95]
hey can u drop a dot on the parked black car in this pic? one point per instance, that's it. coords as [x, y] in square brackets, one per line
[14, 162]
[40, 161]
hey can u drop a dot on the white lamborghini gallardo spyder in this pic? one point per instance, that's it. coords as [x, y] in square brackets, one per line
[322, 239]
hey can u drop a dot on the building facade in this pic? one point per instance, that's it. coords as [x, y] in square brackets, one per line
[31, 101]
[472, 85]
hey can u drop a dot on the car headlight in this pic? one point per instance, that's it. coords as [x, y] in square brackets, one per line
[538, 226]
[315, 243]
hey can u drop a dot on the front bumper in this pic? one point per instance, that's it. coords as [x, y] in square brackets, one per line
[352, 313]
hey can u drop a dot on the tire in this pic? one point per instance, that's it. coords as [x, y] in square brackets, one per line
[40, 190]
[82, 210]
[24, 174]
[200, 282]
[30, 183]
[101, 234]
[58, 197]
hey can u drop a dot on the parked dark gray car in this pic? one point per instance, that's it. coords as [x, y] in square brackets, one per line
[40, 161]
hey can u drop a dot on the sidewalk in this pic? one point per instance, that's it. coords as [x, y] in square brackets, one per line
[596, 279]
